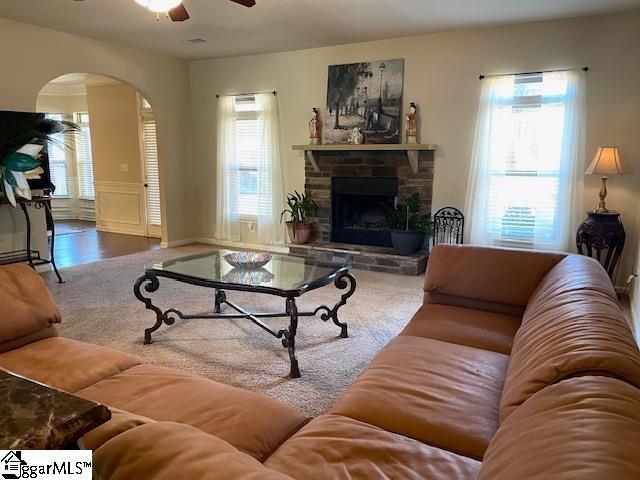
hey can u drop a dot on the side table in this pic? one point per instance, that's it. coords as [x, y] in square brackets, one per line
[604, 233]
[34, 416]
[32, 257]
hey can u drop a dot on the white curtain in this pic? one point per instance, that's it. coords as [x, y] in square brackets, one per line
[571, 207]
[525, 180]
[227, 213]
[249, 175]
[270, 191]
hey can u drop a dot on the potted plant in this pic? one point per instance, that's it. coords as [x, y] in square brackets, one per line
[22, 138]
[409, 228]
[300, 206]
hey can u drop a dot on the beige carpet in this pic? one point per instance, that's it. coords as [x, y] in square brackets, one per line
[98, 306]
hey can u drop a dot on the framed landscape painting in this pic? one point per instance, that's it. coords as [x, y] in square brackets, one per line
[367, 95]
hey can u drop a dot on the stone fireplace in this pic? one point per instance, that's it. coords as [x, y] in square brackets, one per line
[353, 189]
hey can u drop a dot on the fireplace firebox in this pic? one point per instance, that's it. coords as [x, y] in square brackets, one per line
[358, 206]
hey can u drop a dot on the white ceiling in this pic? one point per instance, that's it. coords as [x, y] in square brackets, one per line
[280, 25]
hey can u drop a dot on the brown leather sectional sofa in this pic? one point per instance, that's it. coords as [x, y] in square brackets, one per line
[519, 365]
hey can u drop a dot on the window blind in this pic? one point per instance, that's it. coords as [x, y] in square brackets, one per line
[84, 160]
[152, 178]
[254, 197]
[58, 167]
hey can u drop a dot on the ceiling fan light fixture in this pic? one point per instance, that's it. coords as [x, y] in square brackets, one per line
[161, 6]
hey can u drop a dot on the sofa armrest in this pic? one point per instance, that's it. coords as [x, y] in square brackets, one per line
[167, 451]
[27, 305]
[485, 278]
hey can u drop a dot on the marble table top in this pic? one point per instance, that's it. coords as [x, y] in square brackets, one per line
[35, 416]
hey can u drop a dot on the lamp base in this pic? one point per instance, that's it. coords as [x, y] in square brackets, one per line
[603, 194]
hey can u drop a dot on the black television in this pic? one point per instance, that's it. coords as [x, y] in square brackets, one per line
[13, 125]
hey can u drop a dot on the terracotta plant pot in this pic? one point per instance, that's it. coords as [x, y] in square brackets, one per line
[407, 242]
[300, 235]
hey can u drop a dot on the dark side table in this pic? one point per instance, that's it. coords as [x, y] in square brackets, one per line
[34, 416]
[602, 234]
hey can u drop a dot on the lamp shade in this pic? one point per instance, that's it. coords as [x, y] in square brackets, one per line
[606, 162]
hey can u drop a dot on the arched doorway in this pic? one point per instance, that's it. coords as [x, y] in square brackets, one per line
[107, 176]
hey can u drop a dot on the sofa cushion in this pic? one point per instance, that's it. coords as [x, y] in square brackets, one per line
[66, 364]
[250, 422]
[120, 422]
[440, 393]
[27, 305]
[51, 331]
[485, 278]
[170, 451]
[336, 447]
[586, 427]
[567, 331]
[575, 273]
[464, 326]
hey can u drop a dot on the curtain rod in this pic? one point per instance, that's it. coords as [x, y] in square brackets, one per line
[243, 94]
[584, 69]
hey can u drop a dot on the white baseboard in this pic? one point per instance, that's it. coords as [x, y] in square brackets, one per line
[178, 243]
[124, 230]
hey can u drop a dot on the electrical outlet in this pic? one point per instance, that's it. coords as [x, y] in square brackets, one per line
[124, 167]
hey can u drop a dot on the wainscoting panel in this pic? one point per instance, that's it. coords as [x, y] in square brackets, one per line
[120, 208]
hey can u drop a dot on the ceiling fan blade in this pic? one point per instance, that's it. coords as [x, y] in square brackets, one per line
[246, 3]
[179, 13]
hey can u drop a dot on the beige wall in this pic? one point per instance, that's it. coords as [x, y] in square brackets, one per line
[163, 80]
[115, 133]
[441, 75]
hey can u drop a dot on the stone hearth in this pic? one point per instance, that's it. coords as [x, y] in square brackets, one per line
[363, 257]
[370, 164]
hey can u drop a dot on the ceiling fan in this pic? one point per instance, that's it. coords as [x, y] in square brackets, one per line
[175, 9]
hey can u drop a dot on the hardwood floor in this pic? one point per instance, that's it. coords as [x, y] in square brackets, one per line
[78, 242]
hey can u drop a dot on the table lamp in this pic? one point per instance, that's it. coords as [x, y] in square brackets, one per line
[606, 162]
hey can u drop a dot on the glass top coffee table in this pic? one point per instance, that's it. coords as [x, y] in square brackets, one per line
[283, 275]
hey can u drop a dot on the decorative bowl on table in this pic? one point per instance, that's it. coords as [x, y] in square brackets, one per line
[248, 260]
[248, 276]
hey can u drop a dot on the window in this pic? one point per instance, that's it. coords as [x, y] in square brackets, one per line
[248, 150]
[84, 160]
[248, 167]
[525, 166]
[58, 166]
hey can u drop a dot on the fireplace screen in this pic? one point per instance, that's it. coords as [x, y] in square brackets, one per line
[358, 206]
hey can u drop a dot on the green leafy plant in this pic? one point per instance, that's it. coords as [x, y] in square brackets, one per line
[406, 216]
[18, 129]
[300, 206]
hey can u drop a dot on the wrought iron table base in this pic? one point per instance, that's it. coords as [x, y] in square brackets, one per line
[288, 335]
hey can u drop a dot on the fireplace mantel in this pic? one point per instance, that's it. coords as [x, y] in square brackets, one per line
[412, 150]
